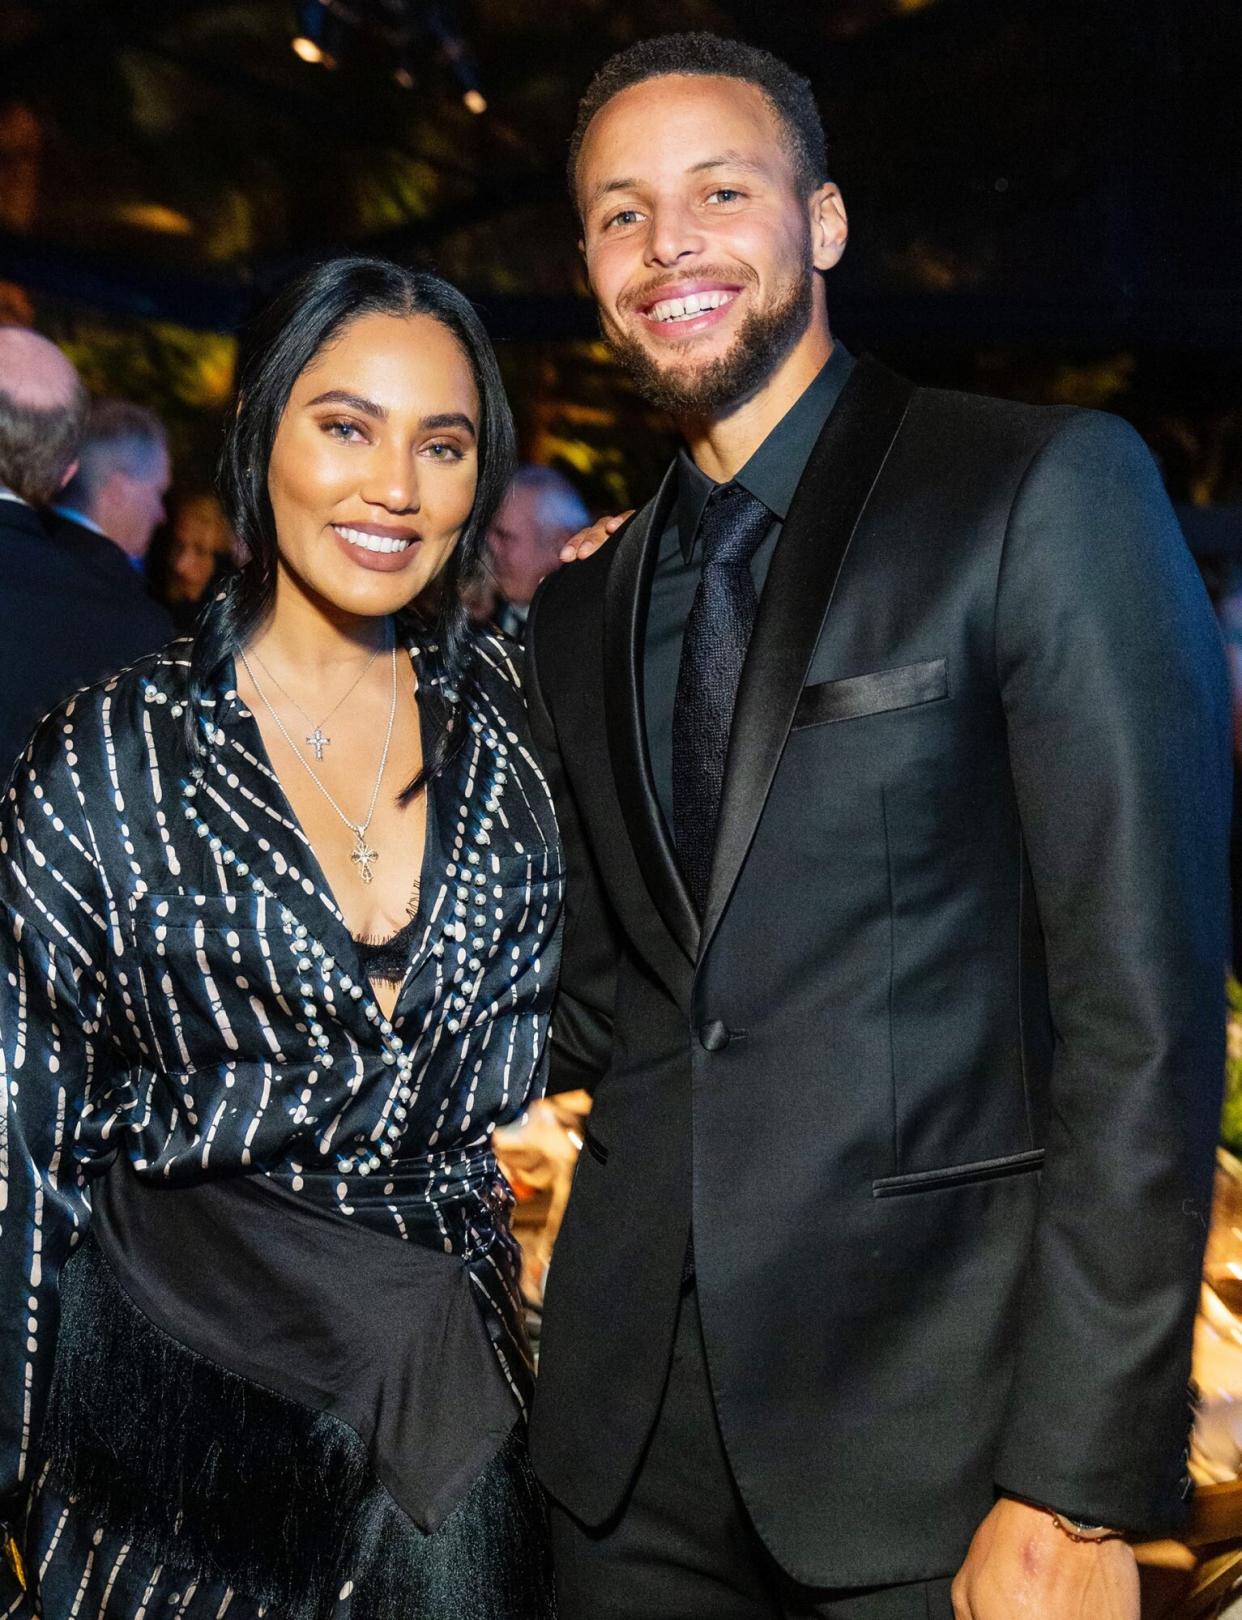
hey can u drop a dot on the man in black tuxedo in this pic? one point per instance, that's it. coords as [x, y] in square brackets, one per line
[71, 607]
[889, 744]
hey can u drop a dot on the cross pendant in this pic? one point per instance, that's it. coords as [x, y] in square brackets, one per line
[362, 856]
[318, 741]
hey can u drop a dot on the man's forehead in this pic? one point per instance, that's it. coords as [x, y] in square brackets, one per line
[520, 506]
[678, 124]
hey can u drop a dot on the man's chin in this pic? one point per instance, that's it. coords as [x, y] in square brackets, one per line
[691, 382]
[713, 378]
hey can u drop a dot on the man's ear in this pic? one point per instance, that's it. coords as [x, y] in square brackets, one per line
[70, 470]
[829, 226]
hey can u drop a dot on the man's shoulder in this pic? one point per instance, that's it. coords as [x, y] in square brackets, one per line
[73, 543]
[988, 416]
[24, 543]
[1018, 426]
[576, 585]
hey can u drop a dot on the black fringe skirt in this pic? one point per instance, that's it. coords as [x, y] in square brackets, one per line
[217, 1480]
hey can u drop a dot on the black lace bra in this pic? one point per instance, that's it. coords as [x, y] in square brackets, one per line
[388, 959]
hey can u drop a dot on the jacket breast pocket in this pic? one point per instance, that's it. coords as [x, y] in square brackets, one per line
[860, 695]
[163, 914]
[959, 1175]
[203, 958]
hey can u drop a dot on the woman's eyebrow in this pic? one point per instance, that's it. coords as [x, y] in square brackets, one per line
[449, 419]
[342, 396]
[368, 407]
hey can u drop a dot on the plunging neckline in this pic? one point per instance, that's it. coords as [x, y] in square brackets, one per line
[418, 920]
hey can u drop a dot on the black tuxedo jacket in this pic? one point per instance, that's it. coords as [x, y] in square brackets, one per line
[936, 1077]
[71, 610]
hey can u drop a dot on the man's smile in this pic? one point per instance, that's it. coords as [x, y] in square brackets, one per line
[689, 307]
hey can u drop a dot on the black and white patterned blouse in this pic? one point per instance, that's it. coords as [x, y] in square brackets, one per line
[178, 987]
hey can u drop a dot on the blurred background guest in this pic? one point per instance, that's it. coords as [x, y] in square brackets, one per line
[71, 608]
[122, 477]
[190, 555]
[540, 512]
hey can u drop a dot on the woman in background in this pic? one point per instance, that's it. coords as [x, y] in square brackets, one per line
[279, 940]
[191, 556]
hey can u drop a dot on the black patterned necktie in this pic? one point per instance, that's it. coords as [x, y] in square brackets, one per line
[713, 650]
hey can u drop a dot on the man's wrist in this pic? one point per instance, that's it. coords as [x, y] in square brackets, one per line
[1083, 1531]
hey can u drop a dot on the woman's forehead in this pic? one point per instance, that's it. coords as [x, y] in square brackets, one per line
[396, 362]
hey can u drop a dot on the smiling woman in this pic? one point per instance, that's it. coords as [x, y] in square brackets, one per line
[280, 933]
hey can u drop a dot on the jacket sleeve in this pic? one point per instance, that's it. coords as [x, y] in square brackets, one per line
[582, 1019]
[1114, 690]
[57, 1111]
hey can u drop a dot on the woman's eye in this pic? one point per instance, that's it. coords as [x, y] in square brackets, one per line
[442, 450]
[346, 432]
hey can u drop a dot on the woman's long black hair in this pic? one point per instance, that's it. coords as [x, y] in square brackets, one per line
[298, 324]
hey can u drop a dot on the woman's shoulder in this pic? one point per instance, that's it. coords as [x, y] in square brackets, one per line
[493, 690]
[107, 710]
[496, 660]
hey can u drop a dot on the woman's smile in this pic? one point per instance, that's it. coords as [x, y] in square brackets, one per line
[374, 546]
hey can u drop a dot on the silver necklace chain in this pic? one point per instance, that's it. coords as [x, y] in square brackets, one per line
[317, 739]
[362, 854]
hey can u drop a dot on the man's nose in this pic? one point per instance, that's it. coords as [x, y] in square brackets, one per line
[674, 234]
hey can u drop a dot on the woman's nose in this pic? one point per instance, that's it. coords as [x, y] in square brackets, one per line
[393, 480]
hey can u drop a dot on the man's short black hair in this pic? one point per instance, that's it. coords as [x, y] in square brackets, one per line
[788, 94]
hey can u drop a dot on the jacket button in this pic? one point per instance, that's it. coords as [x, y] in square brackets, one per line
[714, 1036]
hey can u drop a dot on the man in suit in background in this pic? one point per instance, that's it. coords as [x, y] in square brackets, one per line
[71, 607]
[539, 513]
[889, 745]
[122, 477]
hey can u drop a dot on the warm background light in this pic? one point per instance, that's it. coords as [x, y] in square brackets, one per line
[150, 216]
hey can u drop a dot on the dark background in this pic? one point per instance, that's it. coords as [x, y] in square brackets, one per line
[1046, 198]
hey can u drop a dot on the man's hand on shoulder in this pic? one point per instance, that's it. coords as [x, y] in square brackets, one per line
[587, 542]
[1021, 1566]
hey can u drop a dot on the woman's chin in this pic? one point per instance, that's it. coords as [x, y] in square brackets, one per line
[371, 592]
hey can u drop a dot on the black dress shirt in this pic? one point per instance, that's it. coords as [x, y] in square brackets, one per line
[772, 475]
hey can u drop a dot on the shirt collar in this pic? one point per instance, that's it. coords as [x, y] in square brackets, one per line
[773, 472]
[80, 518]
[7, 494]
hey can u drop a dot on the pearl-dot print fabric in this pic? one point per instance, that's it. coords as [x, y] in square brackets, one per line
[179, 986]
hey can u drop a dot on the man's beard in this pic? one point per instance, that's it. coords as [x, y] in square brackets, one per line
[763, 340]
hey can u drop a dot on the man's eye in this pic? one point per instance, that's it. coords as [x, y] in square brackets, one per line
[725, 194]
[627, 216]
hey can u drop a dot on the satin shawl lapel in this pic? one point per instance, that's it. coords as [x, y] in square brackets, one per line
[796, 597]
[625, 627]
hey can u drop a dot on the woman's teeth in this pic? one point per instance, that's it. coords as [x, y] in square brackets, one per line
[372, 542]
[681, 309]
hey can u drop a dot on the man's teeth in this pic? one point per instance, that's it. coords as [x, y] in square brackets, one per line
[372, 542]
[681, 309]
